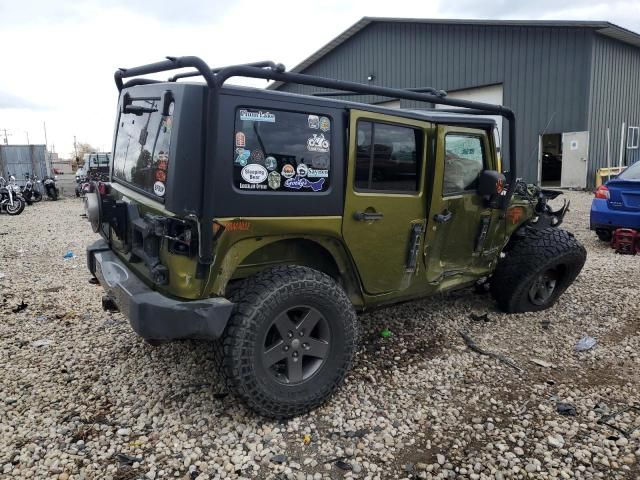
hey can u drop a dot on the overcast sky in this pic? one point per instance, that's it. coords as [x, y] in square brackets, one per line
[58, 57]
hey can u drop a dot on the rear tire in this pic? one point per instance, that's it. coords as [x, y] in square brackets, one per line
[604, 235]
[290, 341]
[36, 196]
[537, 270]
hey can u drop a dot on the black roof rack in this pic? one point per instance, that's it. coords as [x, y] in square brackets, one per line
[215, 79]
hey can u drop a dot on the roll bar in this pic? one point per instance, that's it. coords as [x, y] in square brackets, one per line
[268, 70]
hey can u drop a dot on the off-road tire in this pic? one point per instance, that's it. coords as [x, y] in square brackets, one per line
[263, 297]
[540, 251]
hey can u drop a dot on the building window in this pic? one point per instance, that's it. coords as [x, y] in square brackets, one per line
[387, 157]
[464, 160]
[633, 138]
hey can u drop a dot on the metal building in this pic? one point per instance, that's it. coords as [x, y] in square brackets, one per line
[19, 160]
[574, 85]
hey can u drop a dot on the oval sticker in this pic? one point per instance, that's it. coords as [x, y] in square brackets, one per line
[254, 173]
[158, 189]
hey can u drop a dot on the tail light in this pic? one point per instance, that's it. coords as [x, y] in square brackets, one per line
[602, 192]
[102, 188]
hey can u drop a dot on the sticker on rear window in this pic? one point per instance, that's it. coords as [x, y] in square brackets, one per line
[254, 173]
[281, 151]
[259, 116]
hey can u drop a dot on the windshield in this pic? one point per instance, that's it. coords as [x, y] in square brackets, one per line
[631, 173]
[141, 157]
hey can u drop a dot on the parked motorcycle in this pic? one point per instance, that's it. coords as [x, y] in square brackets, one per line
[82, 186]
[29, 191]
[50, 188]
[10, 199]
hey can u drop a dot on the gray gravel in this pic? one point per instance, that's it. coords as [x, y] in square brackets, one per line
[82, 397]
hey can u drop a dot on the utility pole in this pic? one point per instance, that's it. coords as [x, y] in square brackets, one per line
[44, 125]
[6, 140]
[28, 142]
[75, 148]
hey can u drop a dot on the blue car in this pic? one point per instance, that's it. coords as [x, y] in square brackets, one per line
[617, 204]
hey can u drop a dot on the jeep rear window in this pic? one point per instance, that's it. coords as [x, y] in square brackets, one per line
[141, 156]
[281, 151]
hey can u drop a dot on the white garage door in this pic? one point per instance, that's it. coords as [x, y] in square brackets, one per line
[491, 94]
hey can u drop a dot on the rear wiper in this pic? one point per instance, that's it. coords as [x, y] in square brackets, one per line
[137, 109]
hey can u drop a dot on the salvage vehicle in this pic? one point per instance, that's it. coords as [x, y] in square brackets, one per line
[616, 204]
[265, 220]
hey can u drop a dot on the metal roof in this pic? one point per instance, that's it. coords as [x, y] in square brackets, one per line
[604, 28]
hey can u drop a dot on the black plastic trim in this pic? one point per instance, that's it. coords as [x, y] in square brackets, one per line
[152, 315]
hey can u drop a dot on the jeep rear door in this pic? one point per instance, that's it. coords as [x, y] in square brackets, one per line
[462, 231]
[385, 205]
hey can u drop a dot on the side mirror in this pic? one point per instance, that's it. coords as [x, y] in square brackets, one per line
[491, 184]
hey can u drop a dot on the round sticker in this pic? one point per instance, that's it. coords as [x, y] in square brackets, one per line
[288, 171]
[302, 170]
[254, 173]
[271, 163]
[158, 189]
[257, 156]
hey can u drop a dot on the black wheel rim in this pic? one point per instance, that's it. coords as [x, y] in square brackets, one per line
[296, 345]
[543, 287]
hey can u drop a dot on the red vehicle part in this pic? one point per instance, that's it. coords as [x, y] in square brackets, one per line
[626, 241]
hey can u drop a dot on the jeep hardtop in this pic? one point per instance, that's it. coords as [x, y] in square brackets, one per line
[265, 220]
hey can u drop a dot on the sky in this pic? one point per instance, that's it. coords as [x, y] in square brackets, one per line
[58, 57]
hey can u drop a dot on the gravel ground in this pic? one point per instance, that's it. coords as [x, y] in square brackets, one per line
[82, 397]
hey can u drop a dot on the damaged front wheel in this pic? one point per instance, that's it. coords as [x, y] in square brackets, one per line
[537, 270]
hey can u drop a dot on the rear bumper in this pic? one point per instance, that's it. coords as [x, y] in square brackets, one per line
[152, 315]
[605, 218]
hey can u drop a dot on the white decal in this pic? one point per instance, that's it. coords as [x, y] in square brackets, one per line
[254, 173]
[158, 189]
[318, 143]
[314, 122]
[302, 170]
[259, 116]
[318, 172]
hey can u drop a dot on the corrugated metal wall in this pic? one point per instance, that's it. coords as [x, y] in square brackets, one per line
[614, 98]
[21, 159]
[544, 70]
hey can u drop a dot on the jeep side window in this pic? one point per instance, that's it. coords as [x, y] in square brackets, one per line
[387, 157]
[463, 161]
[282, 151]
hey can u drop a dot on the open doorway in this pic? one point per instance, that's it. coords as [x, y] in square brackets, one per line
[551, 161]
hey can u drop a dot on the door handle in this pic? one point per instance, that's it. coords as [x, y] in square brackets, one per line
[367, 216]
[443, 217]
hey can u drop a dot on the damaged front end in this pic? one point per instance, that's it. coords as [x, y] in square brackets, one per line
[544, 214]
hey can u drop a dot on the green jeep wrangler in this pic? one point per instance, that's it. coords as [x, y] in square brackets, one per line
[267, 220]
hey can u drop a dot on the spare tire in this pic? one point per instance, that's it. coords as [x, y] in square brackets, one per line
[536, 270]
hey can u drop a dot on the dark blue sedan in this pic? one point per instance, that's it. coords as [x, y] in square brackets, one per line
[617, 204]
